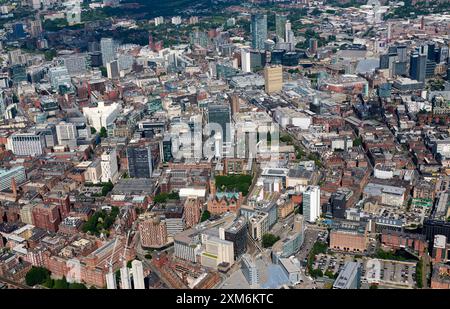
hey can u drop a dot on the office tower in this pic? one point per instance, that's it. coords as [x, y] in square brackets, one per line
[125, 279]
[402, 53]
[384, 62]
[66, 134]
[108, 47]
[111, 281]
[102, 115]
[93, 46]
[140, 164]
[273, 78]
[280, 27]
[59, 76]
[430, 69]
[96, 59]
[221, 115]
[290, 37]
[431, 51]
[18, 32]
[109, 165]
[257, 59]
[112, 69]
[138, 275]
[258, 30]
[349, 277]
[18, 73]
[166, 148]
[237, 234]
[439, 252]
[216, 251]
[338, 204]
[311, 204]
[245, 60]
[27, 144]
[75, 64]
[249, 269]
[417, 69]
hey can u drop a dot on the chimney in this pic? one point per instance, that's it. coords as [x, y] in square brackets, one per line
[14, 186]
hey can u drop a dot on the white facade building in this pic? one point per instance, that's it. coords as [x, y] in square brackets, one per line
[109, 166]
[102, 115]
[311, 204]
[138, 275]
[27, 144]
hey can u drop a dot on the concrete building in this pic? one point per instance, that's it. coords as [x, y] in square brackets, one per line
[216, 251]
[27, 144]
[138, 275]
[273, 77]
[66, 134]
[349, 277]
[102, 115]
[108, 48]
[311, 204]
[109, 166]
[250, 270]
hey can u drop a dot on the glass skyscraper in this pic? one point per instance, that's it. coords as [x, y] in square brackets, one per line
[108, 48]
[220, 114]
[140, 163]
[417, 68]
[259, 31]
[280, 26]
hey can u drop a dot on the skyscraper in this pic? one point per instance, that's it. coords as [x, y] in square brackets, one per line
[138, 275]
[311, 204]
[108, 48]
[417, 68]
[111, 281]
[125, 279]
[273, 77]
[258, 30]
[109, 165]
[140, 163]
[220, 114]
[280, 26]
[112, 69]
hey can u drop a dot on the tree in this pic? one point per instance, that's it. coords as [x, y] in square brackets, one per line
[104, 72]
[77, 286]
[37, 275]
[269, 239]
[93, 130]
[373, 287]
[205, 216]
[103, 132]
[61, 284]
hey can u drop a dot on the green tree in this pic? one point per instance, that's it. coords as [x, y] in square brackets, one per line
[205, 216]
[93, 130]
[103, 132]
[269, 239]
[37, 275]
[77, 286]
[61, 284]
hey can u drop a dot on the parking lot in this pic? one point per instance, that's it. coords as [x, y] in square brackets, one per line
[332, 263]
[311, 236]
[390, 273]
